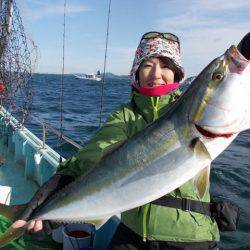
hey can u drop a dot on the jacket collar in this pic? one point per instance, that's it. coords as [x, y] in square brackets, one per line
[144, 104]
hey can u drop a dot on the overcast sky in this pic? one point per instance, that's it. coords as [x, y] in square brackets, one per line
[206, 28]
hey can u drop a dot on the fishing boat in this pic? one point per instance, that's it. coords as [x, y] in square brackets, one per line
[26, 161]
[91, 77]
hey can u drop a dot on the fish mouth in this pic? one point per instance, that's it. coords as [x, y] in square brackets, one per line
[209, 134]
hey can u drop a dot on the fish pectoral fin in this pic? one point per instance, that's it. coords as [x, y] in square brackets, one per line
[202, 180]
[200, 150]
[11, 234]
[11, 212]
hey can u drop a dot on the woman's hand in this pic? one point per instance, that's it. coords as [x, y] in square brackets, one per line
[55, 183]
[33, 226]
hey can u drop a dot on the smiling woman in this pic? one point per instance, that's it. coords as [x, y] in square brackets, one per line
[155, 72]
[166, 65]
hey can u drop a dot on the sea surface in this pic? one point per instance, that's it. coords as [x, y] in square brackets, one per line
[230, 178]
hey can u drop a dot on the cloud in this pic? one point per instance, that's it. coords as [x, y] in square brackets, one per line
[58, 8]
[122, 51]
[206, 29]
[202, 14]
[199, 47]
[38, 9]
[224, 5]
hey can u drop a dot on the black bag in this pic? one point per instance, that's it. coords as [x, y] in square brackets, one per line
[226, 215]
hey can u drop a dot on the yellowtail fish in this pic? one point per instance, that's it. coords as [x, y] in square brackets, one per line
[177, 147]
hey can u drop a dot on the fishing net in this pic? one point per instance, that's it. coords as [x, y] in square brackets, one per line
[17, 61]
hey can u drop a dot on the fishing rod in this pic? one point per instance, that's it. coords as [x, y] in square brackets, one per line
[104, 66]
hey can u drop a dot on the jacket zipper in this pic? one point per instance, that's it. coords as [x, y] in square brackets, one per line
[155, 105]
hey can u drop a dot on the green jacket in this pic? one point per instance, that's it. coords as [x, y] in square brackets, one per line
[150, 221]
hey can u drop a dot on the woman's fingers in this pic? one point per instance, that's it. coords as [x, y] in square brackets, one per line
[38, 226]
[18, 223]
[33, 226]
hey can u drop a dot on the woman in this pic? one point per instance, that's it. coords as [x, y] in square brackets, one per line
[155, 74]
[155, 71]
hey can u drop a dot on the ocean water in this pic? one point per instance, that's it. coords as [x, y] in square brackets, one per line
[230, 178]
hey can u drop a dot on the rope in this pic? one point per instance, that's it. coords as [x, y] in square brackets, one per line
[104, 67]
[62, 83]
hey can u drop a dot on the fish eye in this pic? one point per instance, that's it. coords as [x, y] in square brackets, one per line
[217, 76]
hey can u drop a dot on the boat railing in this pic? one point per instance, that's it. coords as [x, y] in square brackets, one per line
[40, 161]
[46, 126]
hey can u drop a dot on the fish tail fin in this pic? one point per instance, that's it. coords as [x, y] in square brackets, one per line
[8, 212]
[11, 234]
[202, 180]
[11, 212]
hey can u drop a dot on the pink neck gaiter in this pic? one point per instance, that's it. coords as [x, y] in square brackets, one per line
[158, 90]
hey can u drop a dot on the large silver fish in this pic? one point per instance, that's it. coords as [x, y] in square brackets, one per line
[179, 146]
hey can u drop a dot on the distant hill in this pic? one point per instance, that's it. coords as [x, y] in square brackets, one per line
[111, 75]
[108, 75]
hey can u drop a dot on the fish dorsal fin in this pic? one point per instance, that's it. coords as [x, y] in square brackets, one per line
[201, 180]
[98, 223]
[108, 150]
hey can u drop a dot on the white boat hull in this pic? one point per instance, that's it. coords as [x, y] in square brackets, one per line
[95, 78]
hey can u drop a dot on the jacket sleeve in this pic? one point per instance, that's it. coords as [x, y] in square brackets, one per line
[113, 131]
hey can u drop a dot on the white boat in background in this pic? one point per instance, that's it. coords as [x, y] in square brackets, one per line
[92, 77]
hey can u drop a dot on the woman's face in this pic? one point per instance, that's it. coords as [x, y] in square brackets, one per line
[154, 72]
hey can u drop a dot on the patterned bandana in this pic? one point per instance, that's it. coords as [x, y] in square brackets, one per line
[155, 47]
